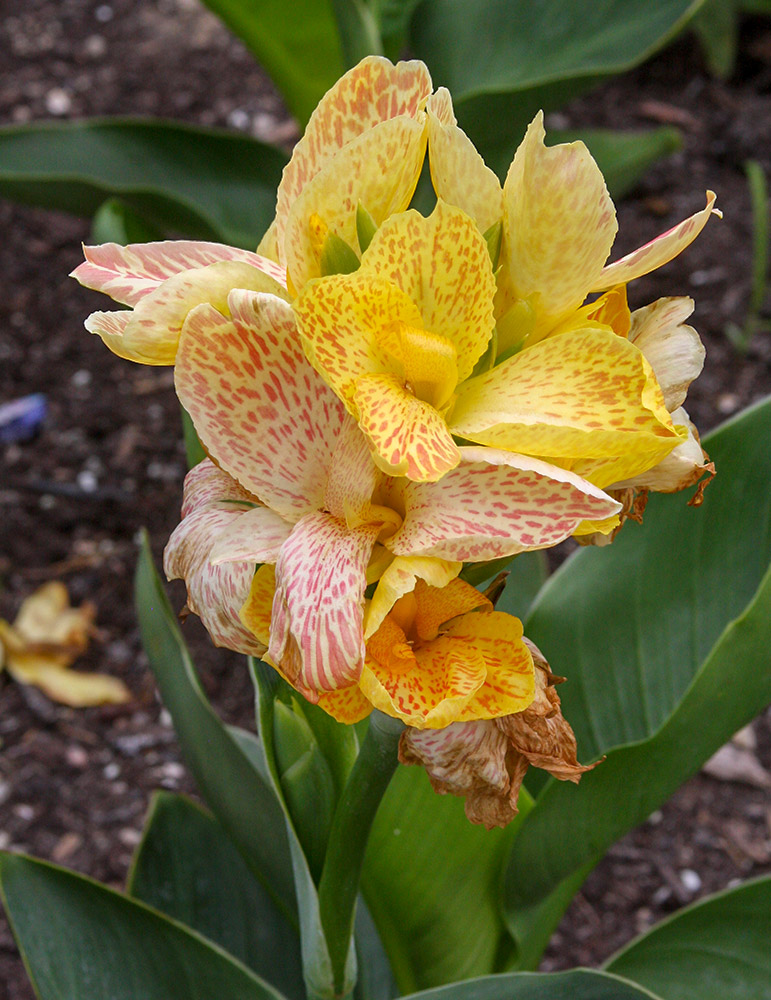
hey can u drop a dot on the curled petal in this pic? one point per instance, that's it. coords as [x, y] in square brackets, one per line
[494, 504]
[658, 252]
[559, 224]
[682, 467]
[212, 502]
[673, 350]
[459, 174]
[256, 537]
[257, 405]
[129, 273]
[110, 326]
[372, 92]
[400, 578]
[316, 635]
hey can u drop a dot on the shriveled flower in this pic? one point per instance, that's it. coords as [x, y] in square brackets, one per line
[308, 498]
[485, 761]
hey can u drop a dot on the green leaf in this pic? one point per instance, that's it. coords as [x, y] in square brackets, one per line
[715, 949]
[665, 639]
[233, 787]
[202, 183]
[358, 30]
[503, 61]
[432, 883]
[188, 868]
[527, 574]
[623, 157]
[578, 984]
[301, 52]
[115, 222]
[83, 941]
[717, 27]
[194, 451]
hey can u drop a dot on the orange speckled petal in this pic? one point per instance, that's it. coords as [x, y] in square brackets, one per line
[214, 593]
[659, 251]
[459, 174]
[347, 704]
[257, 610]
[435, 606]
[257, 405]
[348, 328]
[559, 224]
[379, 169]
[399, 579]
[110, 326]
[129, 273]
[494, 504]
[443, 265]
[157, 320]
[316, 635]
[408, 436]
[590, 394]
[437, 689]
[510, 683]
[372, 92]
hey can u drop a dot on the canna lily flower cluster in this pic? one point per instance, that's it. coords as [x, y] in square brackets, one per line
[386, 397]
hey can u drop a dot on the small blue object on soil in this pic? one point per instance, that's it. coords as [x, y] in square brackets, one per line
[20, 419]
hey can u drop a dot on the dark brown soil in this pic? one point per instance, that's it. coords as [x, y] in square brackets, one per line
[74, 785]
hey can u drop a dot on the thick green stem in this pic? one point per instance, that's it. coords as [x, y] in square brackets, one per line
[358, 30]
[355, 813]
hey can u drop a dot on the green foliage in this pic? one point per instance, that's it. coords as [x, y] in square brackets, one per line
[715, 949]
[83, 941]
[578, 984]
[202, 183]
[115, 222]
[187, 867]
[503, 61]
[302, 52]
[664, 665]
[740, 337]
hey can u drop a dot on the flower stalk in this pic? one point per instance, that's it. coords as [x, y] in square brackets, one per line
[354, 816]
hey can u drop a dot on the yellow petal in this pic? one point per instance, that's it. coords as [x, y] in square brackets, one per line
[459, 174]
[559, 224]
[46, 617]
[256, 611]
[379, 169]
[111, 326]
[590, 395]
[372, 92]
[443, 265]
[399, 579]
[68, 687]
[435, 606]
[408, 436]
[673, 349]
[659, 251]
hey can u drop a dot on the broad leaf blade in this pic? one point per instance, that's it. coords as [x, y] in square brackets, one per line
[578, 984]
[188, 868]
[301, 52]
[202, 183]
[715, 949]
[231, 784]
[503, 61]
[665, 639]
[432, 881]
[83, 941]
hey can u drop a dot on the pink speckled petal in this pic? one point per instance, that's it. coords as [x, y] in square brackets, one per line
[211, 504]
[110, 326]
[353, 476]
[494, 504]
[256, 537]
[559, 225]
[659, 251]
[373, 91]
[316, 633]
[259, 408]
[129, 273]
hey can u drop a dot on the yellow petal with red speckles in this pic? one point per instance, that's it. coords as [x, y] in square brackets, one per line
[212, 502]
[379, 169]
[590, 395]
[316, 633]
[373, 91]
[494, 504]
[442, 263]
[399, 579]
[110, 326]
[559, 224]
[128, 273]
[658, 252]
[408, 436]
[257, 405]
[349, 327]
[459, 174]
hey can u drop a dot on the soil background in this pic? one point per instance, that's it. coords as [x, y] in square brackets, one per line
[75, 785]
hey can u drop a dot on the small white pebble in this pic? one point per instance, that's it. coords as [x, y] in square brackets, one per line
[24, 811]
[690, 879]
[46, 502]
[656, 817]
[727, 402]
[172, 771]
[129, 836]
[104, 13]
[111, 771]
[87, 481]
[76, 756]
[81, 378]
[238, 118]
[5, 840]
[95, 46]
[165, 718]
[58, 101]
